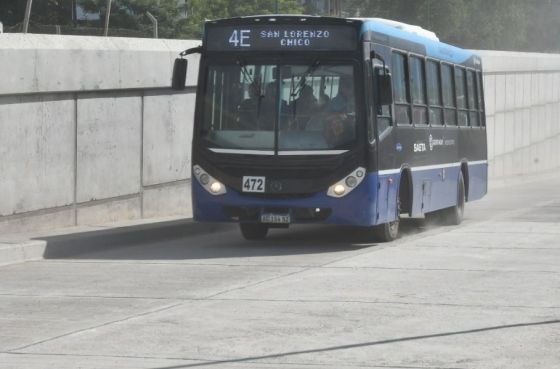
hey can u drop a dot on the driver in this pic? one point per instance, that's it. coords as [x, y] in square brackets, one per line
[340, 111]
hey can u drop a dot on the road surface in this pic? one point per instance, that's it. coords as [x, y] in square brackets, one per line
[485, 294]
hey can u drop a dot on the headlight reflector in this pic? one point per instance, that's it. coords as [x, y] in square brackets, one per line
[347, 184]
[351, 181]
[209, 183]
[204, 179]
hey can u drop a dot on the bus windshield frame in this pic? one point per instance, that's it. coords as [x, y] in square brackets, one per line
[300, 125]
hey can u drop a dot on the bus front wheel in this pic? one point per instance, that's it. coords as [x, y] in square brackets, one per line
[388, 232]
[454, 214]
[253, 231]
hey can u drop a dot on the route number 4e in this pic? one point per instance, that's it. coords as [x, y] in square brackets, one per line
[240, 38]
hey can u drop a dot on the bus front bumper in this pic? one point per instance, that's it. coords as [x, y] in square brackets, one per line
[358, 207]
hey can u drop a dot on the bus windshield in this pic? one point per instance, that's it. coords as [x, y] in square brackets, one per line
[308, 107]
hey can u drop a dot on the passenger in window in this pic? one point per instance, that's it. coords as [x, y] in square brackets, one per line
[306, 99]
[248, 109]
[324, 98]
[303, 107]
[343, 102]
[267, 108]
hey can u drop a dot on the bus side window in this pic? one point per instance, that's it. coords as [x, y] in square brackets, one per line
[461, 93]
[400, 89]
[448, 93]
[473, 98]
[383, 111]
[417, 86]
[434, 96]
[479, 88]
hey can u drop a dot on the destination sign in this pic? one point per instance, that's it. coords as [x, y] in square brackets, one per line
[281, 37]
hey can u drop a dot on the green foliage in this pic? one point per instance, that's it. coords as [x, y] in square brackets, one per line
[531, 25]
[131, 14]
[200, 10]
[44, 11]
[11, 12]
[528, 25]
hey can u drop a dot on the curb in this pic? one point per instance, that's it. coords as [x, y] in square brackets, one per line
[69, 244]
[14, 253]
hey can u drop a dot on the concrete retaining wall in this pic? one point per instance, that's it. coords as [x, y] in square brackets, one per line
[91, 133]
[522, 92]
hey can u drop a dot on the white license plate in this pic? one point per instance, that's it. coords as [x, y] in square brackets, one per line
[253, 184]
[275, 218]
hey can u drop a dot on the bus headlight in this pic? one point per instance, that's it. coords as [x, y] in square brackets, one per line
[210, 184]
[215, 187]
[339, 190]
[347, 184]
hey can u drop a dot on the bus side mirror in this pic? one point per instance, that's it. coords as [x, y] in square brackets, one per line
[384, 89]
[179, 74]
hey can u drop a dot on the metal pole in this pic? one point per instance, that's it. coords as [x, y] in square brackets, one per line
[430, 14]
[277, 7]
[154, 23]
[27, 16]
[107, 16]
[74, 13]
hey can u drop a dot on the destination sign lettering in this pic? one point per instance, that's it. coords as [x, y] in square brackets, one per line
[281, 37]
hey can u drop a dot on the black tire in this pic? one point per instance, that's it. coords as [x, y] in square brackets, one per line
[388, 232]
[454, 214]
[253, 231]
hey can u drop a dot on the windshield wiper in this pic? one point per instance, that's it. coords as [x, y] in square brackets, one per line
[296, 90]
[246, 75]
[243, 65]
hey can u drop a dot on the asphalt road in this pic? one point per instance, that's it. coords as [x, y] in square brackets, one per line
[485, 294]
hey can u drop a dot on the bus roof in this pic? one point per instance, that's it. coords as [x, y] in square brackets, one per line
[282, 18]
[434, 48]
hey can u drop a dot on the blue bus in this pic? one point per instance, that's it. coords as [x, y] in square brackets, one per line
[303, 119]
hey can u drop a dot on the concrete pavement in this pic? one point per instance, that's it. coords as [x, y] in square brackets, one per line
[485, 294]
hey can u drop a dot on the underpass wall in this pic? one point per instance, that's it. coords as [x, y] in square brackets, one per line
[90, 131]
[522, 94]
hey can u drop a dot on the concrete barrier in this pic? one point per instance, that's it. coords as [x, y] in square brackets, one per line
[522, 92]
[91, 133]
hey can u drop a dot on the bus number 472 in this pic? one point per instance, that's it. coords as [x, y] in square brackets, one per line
[253, 184]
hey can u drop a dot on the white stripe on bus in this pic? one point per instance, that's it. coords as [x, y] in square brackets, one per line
[428, 167]
[249, 152]
[313, 152]
[283, 153]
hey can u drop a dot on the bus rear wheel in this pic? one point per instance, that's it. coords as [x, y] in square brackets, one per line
[454, 214]
[253, 231]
